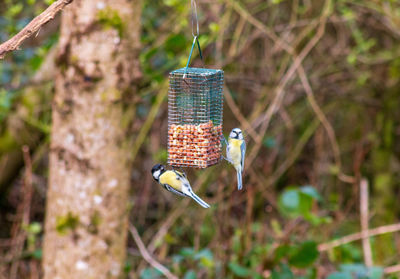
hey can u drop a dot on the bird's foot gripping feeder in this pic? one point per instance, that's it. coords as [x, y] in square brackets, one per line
[195, 106]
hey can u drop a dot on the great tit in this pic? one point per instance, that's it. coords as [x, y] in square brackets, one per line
[175, 182]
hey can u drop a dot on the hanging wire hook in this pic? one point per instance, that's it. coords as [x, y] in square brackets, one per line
[195, 35]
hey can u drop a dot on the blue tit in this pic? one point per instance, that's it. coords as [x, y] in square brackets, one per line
[235, 153]
[175, 182]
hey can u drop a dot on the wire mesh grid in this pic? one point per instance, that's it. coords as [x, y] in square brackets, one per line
[195, 107]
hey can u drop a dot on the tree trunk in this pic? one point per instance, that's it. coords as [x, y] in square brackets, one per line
[87, 201]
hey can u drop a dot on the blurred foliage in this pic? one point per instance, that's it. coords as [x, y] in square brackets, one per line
[269, 230]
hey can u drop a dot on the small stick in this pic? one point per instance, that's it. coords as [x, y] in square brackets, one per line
[364, 222]
[392, 269]
[146, 255]
[357, 236]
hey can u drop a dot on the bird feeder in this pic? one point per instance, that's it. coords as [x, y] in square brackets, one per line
[195, 106]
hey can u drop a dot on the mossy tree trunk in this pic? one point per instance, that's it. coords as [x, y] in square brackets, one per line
[87, 201]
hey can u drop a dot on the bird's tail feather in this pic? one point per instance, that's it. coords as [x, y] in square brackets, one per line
[199, 201]
[239, 179]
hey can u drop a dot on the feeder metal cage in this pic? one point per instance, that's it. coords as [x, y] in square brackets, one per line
[195, 106]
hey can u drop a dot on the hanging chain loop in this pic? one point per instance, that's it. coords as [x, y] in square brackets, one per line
[195, 33]
[195, 19]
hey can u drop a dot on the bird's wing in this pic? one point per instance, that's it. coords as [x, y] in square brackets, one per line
[243, 150]
[171, 189]
[224, 139]
[228, 148]
[180, 174]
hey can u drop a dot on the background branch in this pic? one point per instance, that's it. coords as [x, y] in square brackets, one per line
[34, 26]
[357, 236]
[146, 255]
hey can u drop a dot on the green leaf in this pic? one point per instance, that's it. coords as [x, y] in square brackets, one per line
[361, 271]
[187, 252]
[34, 228]
[49, 2]
[214, 27]
[176, 43]
[14, 10]
[349, 271]
[5, 100]
[190, 275]
[340, 275]
[305, 255]
[299, 202]
[127, 267]
[206, 258]
[269, 142]
[283, 272]
[281, 252]
[290, 200]
[151, 273]
[311, 191]
[177, 259]
[239, 270]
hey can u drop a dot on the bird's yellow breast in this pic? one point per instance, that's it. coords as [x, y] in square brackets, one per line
[235, 153]
[235, 142]
[170, 178]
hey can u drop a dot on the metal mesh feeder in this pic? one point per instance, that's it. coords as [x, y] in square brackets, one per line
[195, 104]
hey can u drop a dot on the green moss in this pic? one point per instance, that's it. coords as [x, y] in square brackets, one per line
[112, 95]
[110, 18]
[95, 221]
[67, 222]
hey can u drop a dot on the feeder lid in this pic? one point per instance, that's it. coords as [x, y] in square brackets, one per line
[197, 71]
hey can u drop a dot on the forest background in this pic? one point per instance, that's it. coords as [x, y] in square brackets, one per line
[315, 85]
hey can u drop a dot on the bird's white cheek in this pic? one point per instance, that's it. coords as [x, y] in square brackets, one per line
[156, 174]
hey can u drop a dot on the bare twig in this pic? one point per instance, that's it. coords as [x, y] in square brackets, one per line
[23, 212]
[357, 236]
[280, 93]
[28, 189]
[364, 222]
[327, 125]
[239, 116]
[34, 26]
[256, 23]
[149, 121]
[146, 255]
[392, 269]
[294, 154]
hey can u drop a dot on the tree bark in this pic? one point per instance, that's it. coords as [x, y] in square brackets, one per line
[87, 201]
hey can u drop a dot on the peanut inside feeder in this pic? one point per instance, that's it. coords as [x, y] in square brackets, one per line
[195, 117]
